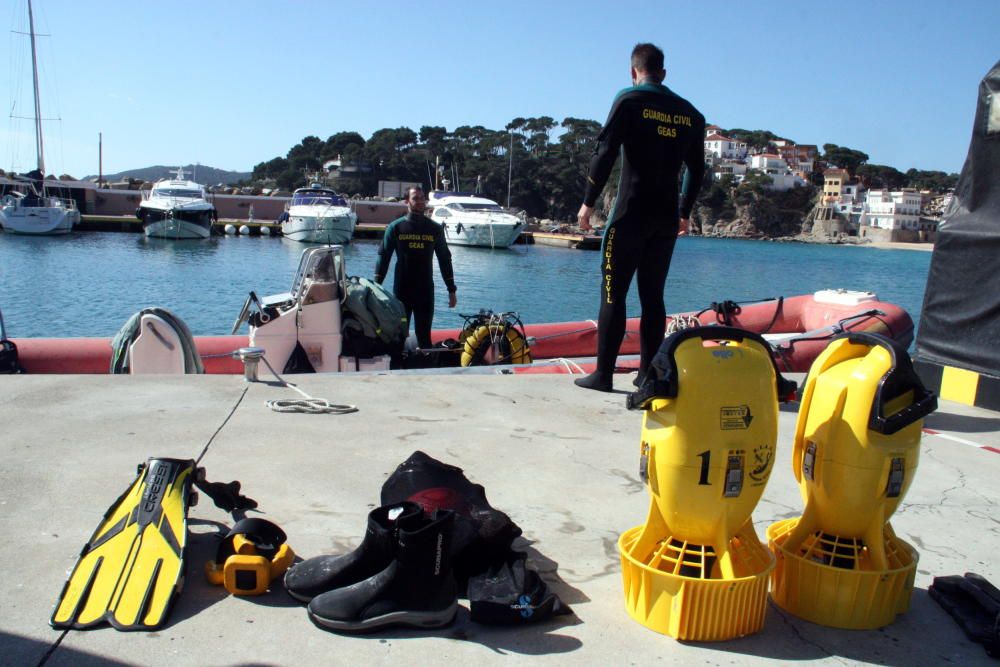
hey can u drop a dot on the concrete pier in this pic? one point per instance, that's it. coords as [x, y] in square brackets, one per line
[561, 461]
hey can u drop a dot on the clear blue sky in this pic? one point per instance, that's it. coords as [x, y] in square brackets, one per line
[232, 84]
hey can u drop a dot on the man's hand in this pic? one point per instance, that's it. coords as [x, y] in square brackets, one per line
[583, 217]
[452, 299]
[682, 229]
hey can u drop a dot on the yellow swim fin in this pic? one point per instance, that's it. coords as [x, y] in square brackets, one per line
[132, 568]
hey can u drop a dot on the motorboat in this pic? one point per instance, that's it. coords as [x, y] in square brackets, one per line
[177, 208]
[471, 220]
[797, 328]
[33, 211]
[318, 215]
[37, 213]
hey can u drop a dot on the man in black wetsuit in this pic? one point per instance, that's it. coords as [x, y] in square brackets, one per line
[414, 239]
[656, 131]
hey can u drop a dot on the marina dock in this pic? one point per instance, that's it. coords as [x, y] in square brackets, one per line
[363, 230]
[562, 462]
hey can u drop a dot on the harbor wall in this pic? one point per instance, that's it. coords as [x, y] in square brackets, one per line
[879, 235]
[235, 207]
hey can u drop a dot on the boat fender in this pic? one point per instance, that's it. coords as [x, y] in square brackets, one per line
[252, 555]
[120, 361]
[513, 347]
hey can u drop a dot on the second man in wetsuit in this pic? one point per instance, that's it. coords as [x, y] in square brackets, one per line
[656, 131]
[415, 239]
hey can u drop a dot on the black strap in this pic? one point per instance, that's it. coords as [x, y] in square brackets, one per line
[725, 310]
[225, 495]
[266, 537]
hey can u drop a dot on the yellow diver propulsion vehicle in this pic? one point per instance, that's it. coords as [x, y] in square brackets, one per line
[251, 556]
[696, 569]
[857, 440]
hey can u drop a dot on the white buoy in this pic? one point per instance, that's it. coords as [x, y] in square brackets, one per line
[265, 230]
[230, 230]
[244, 230]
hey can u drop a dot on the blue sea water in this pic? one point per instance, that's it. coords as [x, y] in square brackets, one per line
[89, 284]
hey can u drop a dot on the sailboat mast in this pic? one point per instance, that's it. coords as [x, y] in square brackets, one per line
[38, 105]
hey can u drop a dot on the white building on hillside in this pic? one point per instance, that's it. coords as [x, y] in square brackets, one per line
[775, 166]
[769, 163]
[719, 146]
[734, 168]
[713, 129]
[892, 210]
[785, 181]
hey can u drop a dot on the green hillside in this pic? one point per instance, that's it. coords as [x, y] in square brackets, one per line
[199, 173]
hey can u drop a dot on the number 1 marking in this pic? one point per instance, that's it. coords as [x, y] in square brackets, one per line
[705, 457]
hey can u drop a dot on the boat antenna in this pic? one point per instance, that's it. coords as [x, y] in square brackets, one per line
[180, 173]
[39, 148]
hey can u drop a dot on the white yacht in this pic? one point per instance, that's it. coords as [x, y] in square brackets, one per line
[318, 215]
[34, 212]
[177, 209]
[469, 219]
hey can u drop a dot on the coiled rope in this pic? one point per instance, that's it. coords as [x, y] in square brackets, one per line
[307, 404]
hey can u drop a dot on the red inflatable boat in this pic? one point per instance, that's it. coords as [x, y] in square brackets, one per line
[797, 327]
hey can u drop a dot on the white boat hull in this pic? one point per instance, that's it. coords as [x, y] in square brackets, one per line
[38, 220]
[486, 235]
[176, 229]
[333, 229]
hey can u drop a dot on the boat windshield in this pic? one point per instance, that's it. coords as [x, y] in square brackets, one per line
[318, 199]
[179, 193]
[477, 207]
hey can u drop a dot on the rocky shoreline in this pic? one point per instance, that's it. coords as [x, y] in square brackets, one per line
[827, 240]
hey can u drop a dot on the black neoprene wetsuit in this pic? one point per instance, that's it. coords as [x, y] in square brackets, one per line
[414, 239]
[656, 131]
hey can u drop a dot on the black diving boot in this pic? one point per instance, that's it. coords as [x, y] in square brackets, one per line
[596, 380]
[309, 578]
[640, 376]
[417, 589]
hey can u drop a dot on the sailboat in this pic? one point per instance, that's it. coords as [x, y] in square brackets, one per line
[34, 211]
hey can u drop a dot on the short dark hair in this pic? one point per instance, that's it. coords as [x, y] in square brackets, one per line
[409, 191]
[647, 58]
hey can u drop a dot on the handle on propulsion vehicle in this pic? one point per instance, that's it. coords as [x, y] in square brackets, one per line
[665, 386]
[900, 378]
